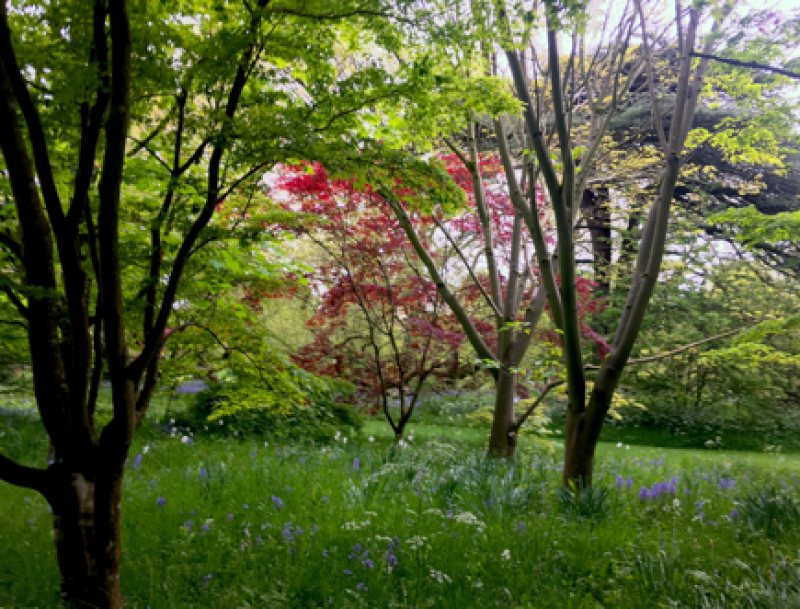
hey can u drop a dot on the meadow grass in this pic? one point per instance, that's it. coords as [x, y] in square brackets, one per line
[234, 523]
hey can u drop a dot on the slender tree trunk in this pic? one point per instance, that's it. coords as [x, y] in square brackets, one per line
[503, 439]
[86, 531]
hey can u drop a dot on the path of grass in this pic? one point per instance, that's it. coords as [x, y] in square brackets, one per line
[479, 437]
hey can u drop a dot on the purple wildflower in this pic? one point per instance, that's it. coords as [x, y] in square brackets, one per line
[203, 473]
[620, 481]
[205, 527]
[348, 572]
[735, 514]
[629, 483]
[356, 463]
[161, 501]
[137, 462]
[644, 494]
[362, 587]
[230, 516]
[277, 502]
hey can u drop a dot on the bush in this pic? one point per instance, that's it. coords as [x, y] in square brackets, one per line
[240, 409]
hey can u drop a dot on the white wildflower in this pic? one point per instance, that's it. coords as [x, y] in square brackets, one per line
[439, 576]
[186, 440]
[172, 421]
[416, 542]
[506, 555]
[371, 439]
[221, 422]
[619, 444]
[145, 449]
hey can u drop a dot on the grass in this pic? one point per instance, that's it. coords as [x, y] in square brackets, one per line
[366, 524]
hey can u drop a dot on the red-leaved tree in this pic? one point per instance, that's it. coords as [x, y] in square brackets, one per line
[385, 324]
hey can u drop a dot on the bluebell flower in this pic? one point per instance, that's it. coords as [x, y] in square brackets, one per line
[734, 514]
[362, 587]
[348, 572]
[137, 463]
[247, 507]
[325, 500]
[620, 481]
[629, 483]
[325, 553]
[202, 473]
[674, 481]
[644, 493]
[522, 527]
[205, 527]
[276, 501]
[161, 501]
[258, 540]
[230, 516]
[356, 463]
[723, 483]
[288, 489]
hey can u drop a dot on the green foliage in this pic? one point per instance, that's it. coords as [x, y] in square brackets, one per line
[310, 411]
[584, 502]
[770, 510]
[752, 227]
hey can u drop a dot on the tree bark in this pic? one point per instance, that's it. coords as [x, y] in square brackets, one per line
[86, 531]
[503, 438]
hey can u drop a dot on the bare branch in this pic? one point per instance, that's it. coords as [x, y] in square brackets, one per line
[747, 64]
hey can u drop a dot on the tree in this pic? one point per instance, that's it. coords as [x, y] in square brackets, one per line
[176, 109]
[587, 408]
[379, 322]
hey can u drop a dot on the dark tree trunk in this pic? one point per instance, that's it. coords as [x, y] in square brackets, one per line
[86, 531]
[578, 451]
[503, 438]
[595, 205]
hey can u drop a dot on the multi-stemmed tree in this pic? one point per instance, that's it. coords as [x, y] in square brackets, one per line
[176, 109]
[380, 323]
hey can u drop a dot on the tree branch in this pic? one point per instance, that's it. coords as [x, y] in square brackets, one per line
[653, 358]
[747, 64]
[24, 476]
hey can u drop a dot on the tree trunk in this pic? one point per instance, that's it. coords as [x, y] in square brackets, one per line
[503, 439]
[578, 452]
[86, 530]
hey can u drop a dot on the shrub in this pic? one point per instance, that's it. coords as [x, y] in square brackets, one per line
[254, 409]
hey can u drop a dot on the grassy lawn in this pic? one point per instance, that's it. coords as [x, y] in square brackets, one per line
[234, 523]
[479, 437]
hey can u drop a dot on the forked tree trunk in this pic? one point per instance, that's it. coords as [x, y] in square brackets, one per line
[503, 438]
[86, 531]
